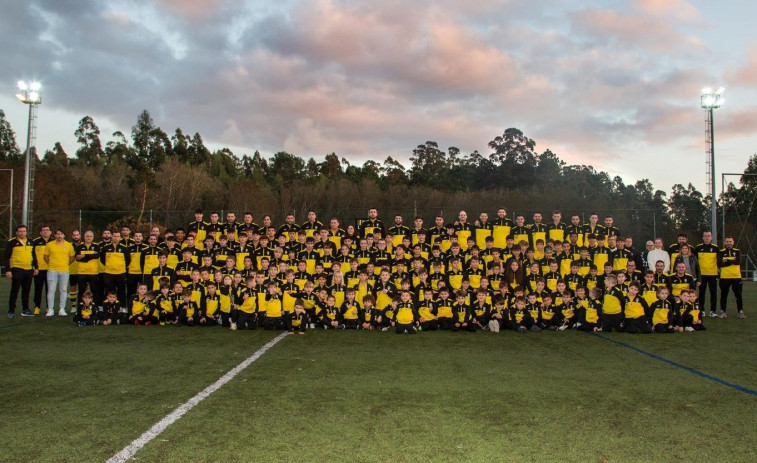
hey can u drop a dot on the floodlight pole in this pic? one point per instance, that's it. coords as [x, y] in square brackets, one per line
[713, 199]
[27, 169]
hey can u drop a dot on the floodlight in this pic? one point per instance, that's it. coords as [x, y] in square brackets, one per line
[21, 85]
[35, 86]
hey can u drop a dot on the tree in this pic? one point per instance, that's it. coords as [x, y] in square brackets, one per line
[149, 153]
[687, 208]
[254, 168]
[9, 150]
[180, 146]
[224, 165]
[198, 154]
[117, 150]
[515, 156]
[287, 166]
[56, 157]
[393, 172]
[331, 167]
[88, 135]
[428, 164]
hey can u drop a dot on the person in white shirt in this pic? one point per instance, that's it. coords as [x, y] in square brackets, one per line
[659, 254]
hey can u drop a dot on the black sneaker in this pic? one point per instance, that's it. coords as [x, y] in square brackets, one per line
[27, 313]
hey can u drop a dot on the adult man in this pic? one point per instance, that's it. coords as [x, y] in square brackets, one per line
[556, 229]
[675, 248]
[288, 226]
[463, 229]
[199, 227]
[40, 278]
[312, 225]
[88, 258]
[399, 230]
[372, 225]
[635, 253]
[707, 255]
[115, 258]
[610, 229]
[729, 261]
[537, 230]
[59, 254]
[20, 267]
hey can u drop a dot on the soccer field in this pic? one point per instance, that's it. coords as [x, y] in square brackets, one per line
[81, 394]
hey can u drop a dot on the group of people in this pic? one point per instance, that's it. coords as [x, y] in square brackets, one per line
[459, 275]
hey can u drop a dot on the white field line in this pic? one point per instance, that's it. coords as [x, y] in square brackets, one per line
[129, 451]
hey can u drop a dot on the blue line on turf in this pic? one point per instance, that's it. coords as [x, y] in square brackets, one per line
[678, 365]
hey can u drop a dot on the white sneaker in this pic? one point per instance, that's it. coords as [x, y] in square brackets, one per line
[386, 328]
[713, 314]
[741, 315]
[50, 313]
[62, 313]
[233, 327]
[563, 327]
[689, 329]
[312, 326]
[722, 314]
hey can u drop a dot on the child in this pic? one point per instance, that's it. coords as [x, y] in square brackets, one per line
[208, 315]
[689, 315]
[274, 308]
[111, 311]
[405, 315]
[298, 319]
[426, 309]
[166, 301]
[370, 318]
[533, 307]
[664, 317]
[387, 315]
[590, 317]
[636, 310]
[247, 306]
[481, 310]
[350, 310]
[462, 314]
[138, 306]
[331, 318]
[613, 305]
[549, 314]
[498, 318]
[443, 308]
[85, 311]
[520, 318]
[566, 312]
[188, 309]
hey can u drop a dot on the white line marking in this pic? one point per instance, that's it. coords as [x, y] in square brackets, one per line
[171, 418]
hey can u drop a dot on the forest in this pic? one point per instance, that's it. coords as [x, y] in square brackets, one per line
[150, 177]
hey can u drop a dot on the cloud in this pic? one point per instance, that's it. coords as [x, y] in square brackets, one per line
[745, 75]
[679, 10]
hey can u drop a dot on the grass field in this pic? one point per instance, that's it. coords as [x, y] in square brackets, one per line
[82, 394]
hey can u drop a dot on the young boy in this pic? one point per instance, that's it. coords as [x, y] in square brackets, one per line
[298, 319]
[211, 302]
[498, 319]
[664, 317]
[534, 309]
[246, 306]
[405, 315]
[613, 305]
[520, 317]
[331, 319]
[426, 309]
[550, 318]
[350, 310]
[138, 306]
[85, 311]
[274, 308]
[111, 310]
[566, 312]
[481, 310]
[689, 315]
[188, 310]
[461, 314]
[166, 302]
[590, 317]
[444, 310]
[371, 318]
[636, 310]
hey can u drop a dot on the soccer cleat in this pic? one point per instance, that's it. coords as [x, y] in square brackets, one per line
[689, 329]
[312, 326]
[386, 328]
[233, 327]
[722, 314]
[740, 315]
[713, 314]
[82, 323]
[62, 313]
[37, 311]
[50, 313]
[27, 313]
[563, 327]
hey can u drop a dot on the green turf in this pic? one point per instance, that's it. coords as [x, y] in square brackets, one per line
[82, 394]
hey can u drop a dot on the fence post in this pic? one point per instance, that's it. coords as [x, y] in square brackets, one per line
[150, 219]
[79, 220]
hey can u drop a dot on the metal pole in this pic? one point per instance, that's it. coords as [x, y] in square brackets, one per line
[654, 225]
[27, 167]
[714, 218]
[722, 213]
[10, 210]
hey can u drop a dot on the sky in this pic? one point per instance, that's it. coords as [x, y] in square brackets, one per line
[614, 84]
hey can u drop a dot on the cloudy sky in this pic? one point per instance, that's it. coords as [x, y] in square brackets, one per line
[612, 83]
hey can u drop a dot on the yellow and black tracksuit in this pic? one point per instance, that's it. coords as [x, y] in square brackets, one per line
[188, 313]
[20, 260]
[274, 312]
[520, 319]
[689, 315]
[134, 269]
[664, 316]
[115, 259]
[405, 318]
[613, 305]
[729, 262]
[88, 267]
[86, 314]
[40, 279]
[590, 316]
[350, 314]
[707, 256]
[183, 272]
[462, 317]
[444, 313]
[637, 315]
[678, 283]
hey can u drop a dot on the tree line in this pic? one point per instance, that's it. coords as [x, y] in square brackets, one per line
[150, 170]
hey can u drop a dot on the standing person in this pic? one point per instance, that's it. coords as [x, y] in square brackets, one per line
[635, 254]
[115, 259]
[659, 254]
[40, 278]
[372, 225]
[689, 260]
[707, 255]
[59, 254]
[729, 261]
[88, 259]
[20, 267]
